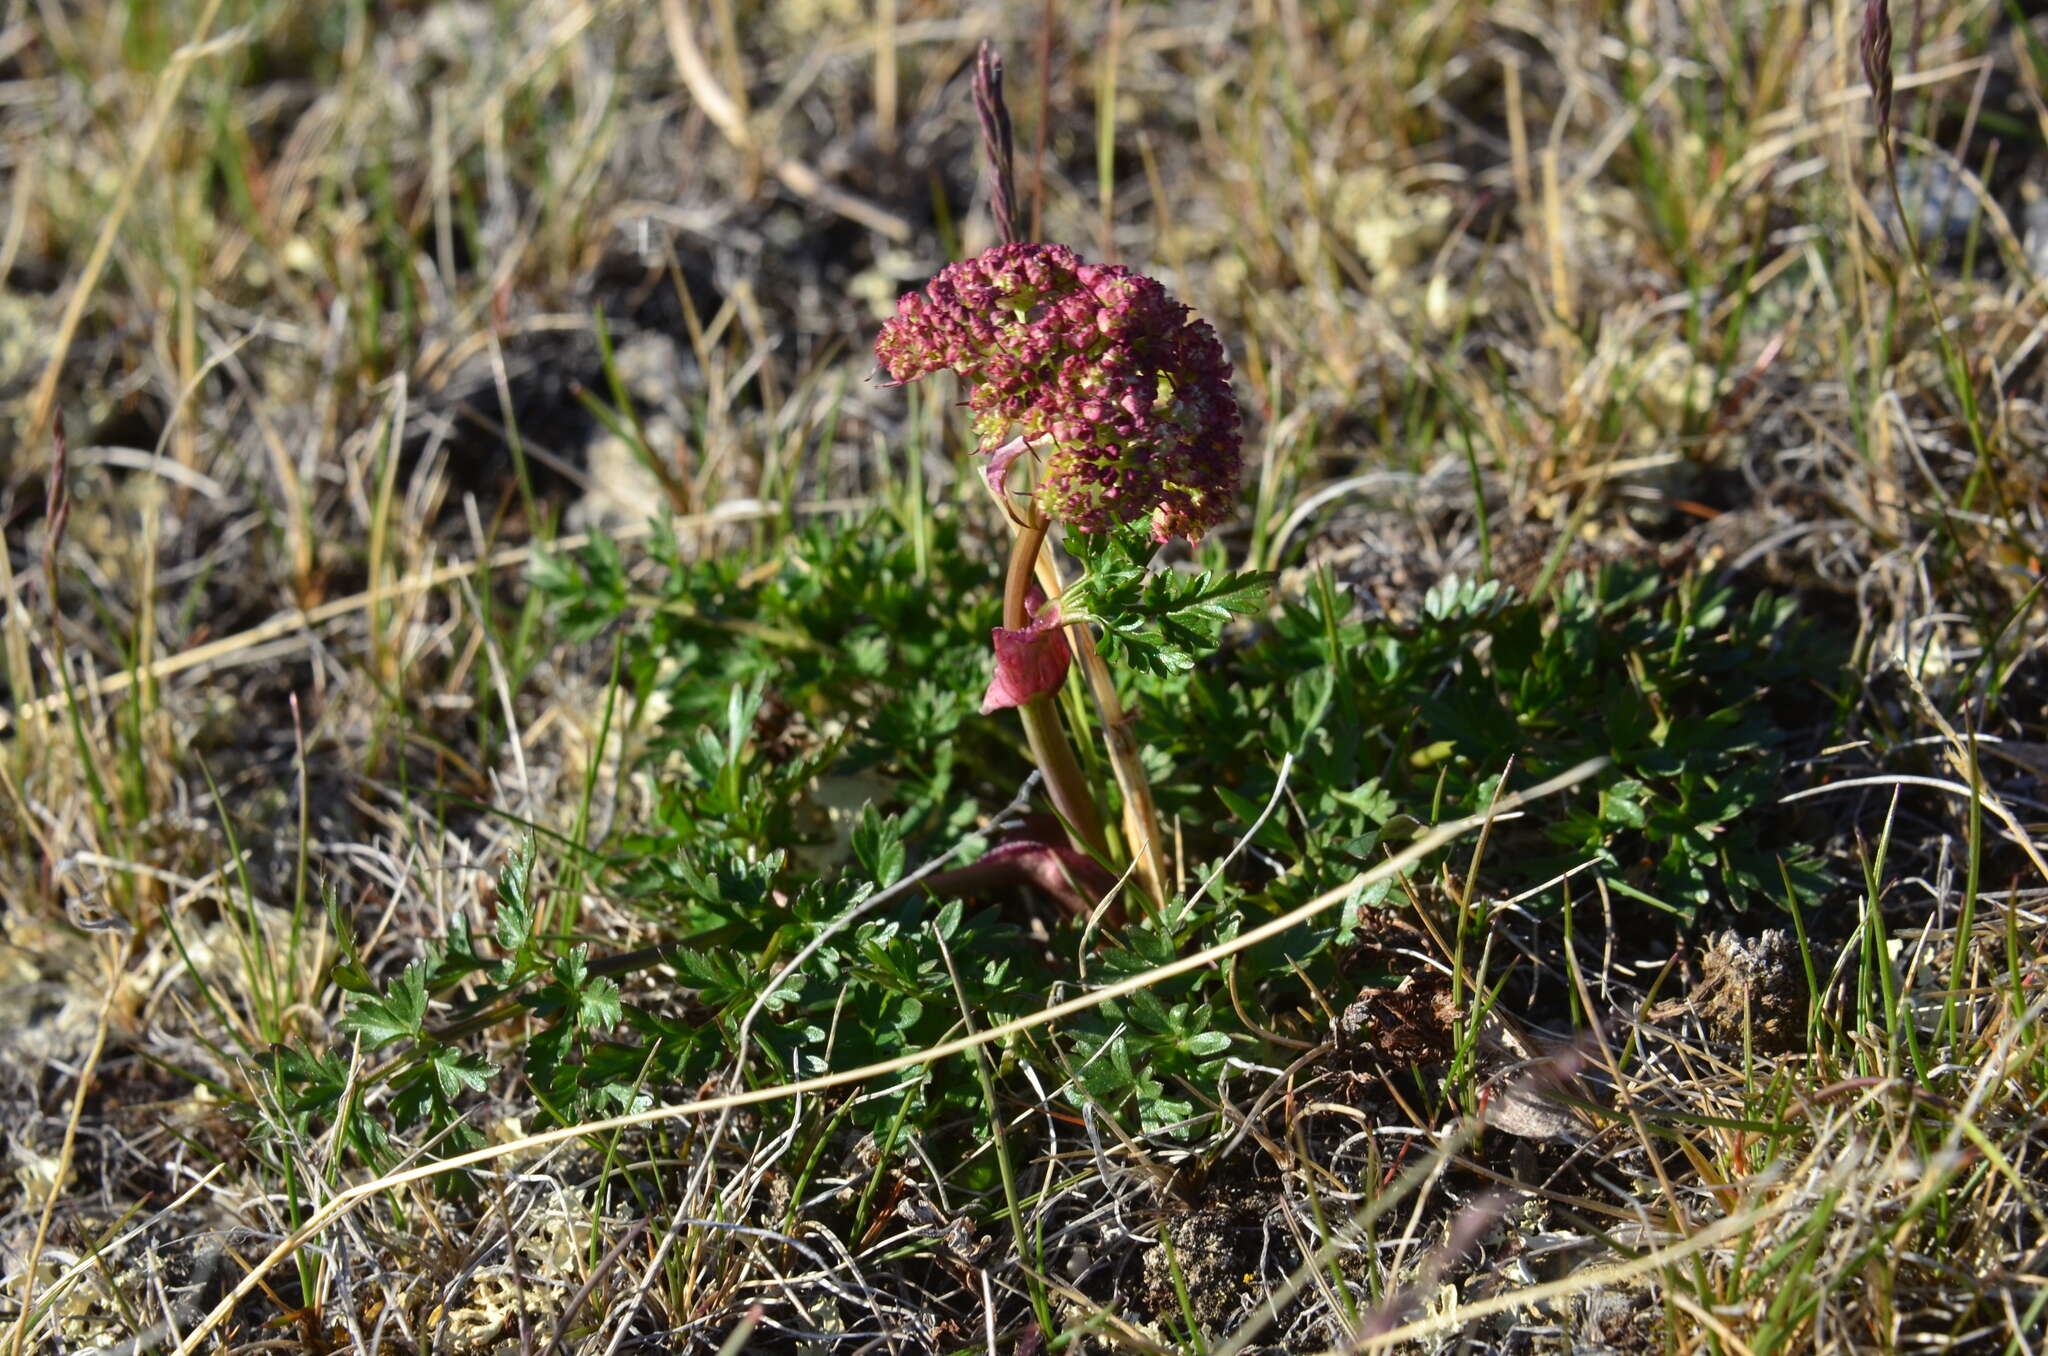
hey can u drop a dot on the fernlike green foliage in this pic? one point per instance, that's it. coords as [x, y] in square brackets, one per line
[807, 736]
[1154, 621]
[1150, 1050]
[850, 639]
[433, 1070]
[1394, 725]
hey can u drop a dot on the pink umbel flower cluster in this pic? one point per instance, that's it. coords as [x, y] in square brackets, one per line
[1096, 369]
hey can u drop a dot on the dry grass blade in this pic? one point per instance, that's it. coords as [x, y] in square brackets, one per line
[257, 641]
[169, 85]
[1877, 66]
[344, 1202]
[996, 147]
[798, 177]
[62, 1169]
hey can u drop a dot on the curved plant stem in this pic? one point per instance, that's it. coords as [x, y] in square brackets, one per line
[1049, 746]
[1140, 817]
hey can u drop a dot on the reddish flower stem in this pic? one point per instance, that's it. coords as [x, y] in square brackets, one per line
[1049, 747]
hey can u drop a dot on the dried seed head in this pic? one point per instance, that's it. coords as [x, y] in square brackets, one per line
[994, 116]
[1115, 384]
[1877, 67]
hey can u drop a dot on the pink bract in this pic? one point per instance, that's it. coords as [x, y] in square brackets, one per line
[1031, 660]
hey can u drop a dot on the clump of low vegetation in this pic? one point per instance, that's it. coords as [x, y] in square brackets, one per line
[1516, 541]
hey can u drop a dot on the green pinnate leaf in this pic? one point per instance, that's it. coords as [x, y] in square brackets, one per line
[878, 845]
[456, 1071]
[513, 927]
[1162, 622]
[399, 1014]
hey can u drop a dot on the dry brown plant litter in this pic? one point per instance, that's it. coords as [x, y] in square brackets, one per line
[1514, 292]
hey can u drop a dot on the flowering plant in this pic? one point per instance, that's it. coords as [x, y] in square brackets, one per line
[1121, 398]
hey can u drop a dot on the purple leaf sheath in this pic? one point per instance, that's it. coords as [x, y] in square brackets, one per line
[1031, 660]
